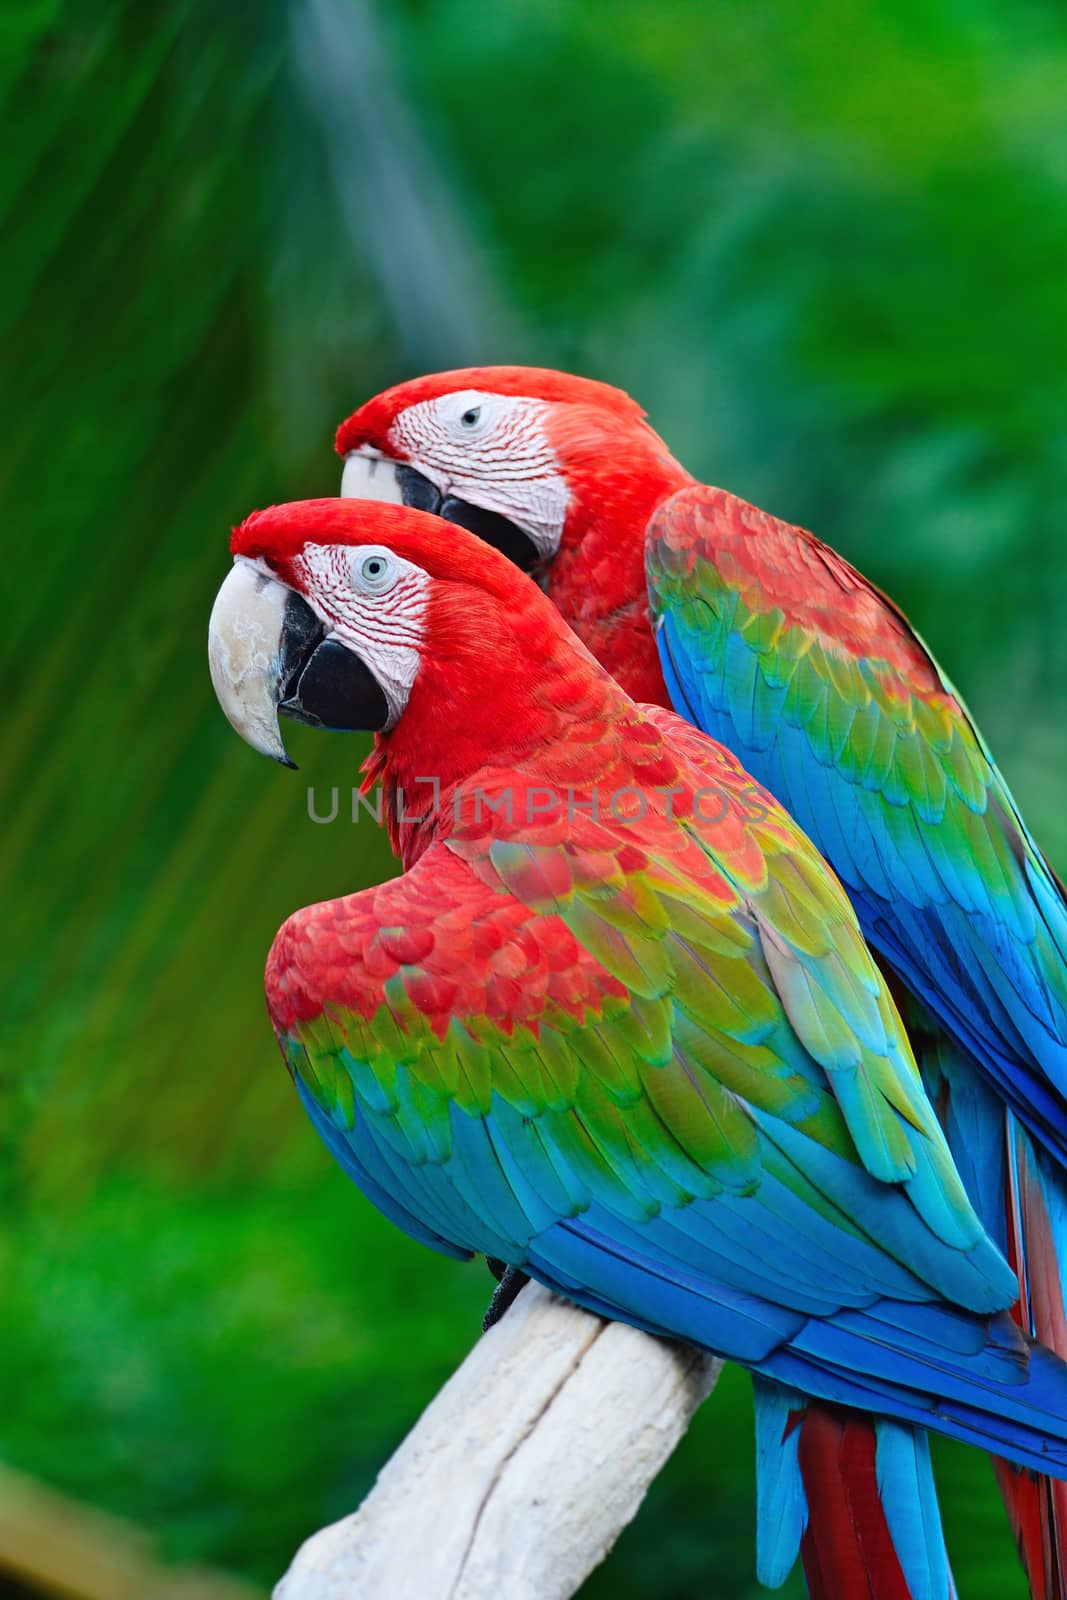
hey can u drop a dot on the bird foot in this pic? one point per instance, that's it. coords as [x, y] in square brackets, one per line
[509, 1281]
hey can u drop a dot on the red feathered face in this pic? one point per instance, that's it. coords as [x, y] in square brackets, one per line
[486, 448]
[320, 619]
[334, 608]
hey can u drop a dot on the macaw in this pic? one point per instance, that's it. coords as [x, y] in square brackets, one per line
[769, 641]
[615, 1024]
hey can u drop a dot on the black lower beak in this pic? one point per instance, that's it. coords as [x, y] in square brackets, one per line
[337, 690]
[323, 683]
[489, 526]
[416, 491]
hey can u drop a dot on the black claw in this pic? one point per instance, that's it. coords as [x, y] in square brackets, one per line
[511, 1280]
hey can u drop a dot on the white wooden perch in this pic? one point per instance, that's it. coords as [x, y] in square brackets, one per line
[521, 1474]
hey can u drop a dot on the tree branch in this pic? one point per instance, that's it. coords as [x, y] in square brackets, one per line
[60, 1546]
[522, 1473]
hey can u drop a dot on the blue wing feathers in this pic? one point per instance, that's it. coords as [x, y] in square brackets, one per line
[376, 1181]
[685, 1275]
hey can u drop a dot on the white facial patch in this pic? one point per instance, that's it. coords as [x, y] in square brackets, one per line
[491, 450]
[373, 602]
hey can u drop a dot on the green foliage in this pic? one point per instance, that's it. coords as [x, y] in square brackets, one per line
[234, 1364]
[823, 244]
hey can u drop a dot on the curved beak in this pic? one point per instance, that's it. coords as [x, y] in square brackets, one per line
[268, 653]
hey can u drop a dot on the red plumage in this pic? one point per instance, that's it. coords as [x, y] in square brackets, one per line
[619, 472]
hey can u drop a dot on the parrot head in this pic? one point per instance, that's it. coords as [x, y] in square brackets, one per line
[530, 460]
[351, 615]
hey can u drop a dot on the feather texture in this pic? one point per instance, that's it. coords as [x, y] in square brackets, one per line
[866, 741]
[747, 1162]
[877, 758]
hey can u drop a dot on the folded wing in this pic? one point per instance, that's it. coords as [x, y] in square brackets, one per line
[775, 645]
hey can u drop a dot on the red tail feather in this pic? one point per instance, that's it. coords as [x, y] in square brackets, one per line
[847, 1548]
[1037, 1506]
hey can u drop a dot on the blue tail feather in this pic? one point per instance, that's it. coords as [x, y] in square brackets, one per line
[781, 1503]
[906, 1485]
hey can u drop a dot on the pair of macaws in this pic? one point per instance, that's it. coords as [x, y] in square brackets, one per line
[630, 1039]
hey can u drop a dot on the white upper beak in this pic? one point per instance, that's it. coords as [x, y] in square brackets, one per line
[370, 478]
[243, 648]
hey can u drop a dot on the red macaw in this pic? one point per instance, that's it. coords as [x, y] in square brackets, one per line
[616, 1024]
[768, 640]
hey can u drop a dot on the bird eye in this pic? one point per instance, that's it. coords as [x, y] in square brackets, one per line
[469, 418]
[375, 571]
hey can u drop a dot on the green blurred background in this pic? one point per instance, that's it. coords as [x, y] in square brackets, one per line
[825, 245]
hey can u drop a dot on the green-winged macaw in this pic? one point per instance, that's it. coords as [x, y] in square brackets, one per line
[768, 640]
[616, 1024]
